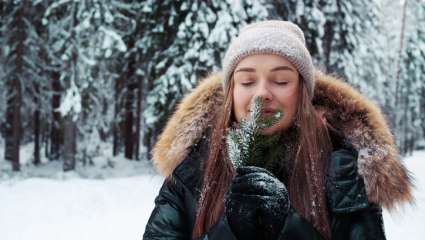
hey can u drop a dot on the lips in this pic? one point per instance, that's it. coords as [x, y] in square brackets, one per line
[268, 111]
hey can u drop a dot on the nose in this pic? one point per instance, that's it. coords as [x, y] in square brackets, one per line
[264, 92]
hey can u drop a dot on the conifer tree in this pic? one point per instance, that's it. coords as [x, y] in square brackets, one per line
[202, 36]
[82, 35]
[16, 32]
[410, 128]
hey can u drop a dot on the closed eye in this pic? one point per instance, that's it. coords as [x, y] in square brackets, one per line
[247, 83]
[281, 82]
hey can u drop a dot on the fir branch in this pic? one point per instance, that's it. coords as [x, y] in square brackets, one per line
[241, 141]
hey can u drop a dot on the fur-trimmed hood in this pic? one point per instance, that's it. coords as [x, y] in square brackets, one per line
[387, 181]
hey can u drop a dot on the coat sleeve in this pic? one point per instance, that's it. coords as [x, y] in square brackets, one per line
[168, 219]
[298, 228]
[171, 216]
[352, 215]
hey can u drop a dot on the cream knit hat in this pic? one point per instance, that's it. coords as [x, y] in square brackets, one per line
[271, 37]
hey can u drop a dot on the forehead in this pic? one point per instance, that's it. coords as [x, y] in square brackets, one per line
[263, 62]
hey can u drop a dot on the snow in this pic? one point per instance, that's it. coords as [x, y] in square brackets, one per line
[111, 38]
[71, 207]
[53, 7]
[76, 209]
[71, 104]
[408, 222]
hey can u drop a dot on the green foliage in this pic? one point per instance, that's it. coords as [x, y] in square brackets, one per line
[245, 143]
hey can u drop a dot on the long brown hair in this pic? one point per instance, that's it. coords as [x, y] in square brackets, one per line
[307, 175]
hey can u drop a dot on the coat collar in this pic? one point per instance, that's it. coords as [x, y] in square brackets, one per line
[387, 181]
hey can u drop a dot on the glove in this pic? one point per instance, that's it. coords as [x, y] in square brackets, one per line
[256, 204]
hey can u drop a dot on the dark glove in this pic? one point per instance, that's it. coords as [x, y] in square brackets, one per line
[256, 204]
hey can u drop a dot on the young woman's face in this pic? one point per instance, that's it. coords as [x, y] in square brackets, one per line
[275, 80]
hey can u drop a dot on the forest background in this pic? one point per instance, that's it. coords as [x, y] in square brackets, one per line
[82, 80]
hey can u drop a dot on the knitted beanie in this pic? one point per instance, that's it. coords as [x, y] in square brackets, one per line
[271, 37]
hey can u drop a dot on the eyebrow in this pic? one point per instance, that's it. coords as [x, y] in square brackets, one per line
[280, 68]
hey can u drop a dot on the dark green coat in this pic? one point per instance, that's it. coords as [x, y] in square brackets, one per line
[352, 217]
[384, 180]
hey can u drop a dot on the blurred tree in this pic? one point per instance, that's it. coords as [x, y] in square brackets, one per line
[2, 68]
[195, 48]
[411, 84]
[83, 36]
[112, 71]
[16, 32]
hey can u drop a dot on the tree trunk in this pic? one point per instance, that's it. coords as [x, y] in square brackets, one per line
[70, 126]
[13, 124]
[115, 139]
[400, 89]
[403, 121]
[103, 133]
[422, 111]
[55, 132]
[129, 121]
[406, 123]
[115, 127]
[147, 133]
[39, 133]
[36, 126]
[14, 100]
[131, 86]
[400, 55]
[327, 45]
[70, 144]
[138, 117]
[45, 137]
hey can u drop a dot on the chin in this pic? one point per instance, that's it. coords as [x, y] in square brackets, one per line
[269, 131]
[279, 127]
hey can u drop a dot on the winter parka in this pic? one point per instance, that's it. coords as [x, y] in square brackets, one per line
[372, 176]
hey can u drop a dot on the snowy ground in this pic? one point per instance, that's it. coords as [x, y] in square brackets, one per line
[408, 223]
[69, 207]
[43, 209]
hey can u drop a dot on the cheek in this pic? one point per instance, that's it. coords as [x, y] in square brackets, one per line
[241, 100]
[289, 103]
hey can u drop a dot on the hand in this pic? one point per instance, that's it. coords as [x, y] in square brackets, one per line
[256, 204]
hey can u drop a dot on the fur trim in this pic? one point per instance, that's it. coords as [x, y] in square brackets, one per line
[387, 181]
[192, 117]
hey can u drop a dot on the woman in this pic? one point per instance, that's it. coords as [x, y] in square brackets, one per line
[327, 176]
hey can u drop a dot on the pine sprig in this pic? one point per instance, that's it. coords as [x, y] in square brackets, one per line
[241, 141]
